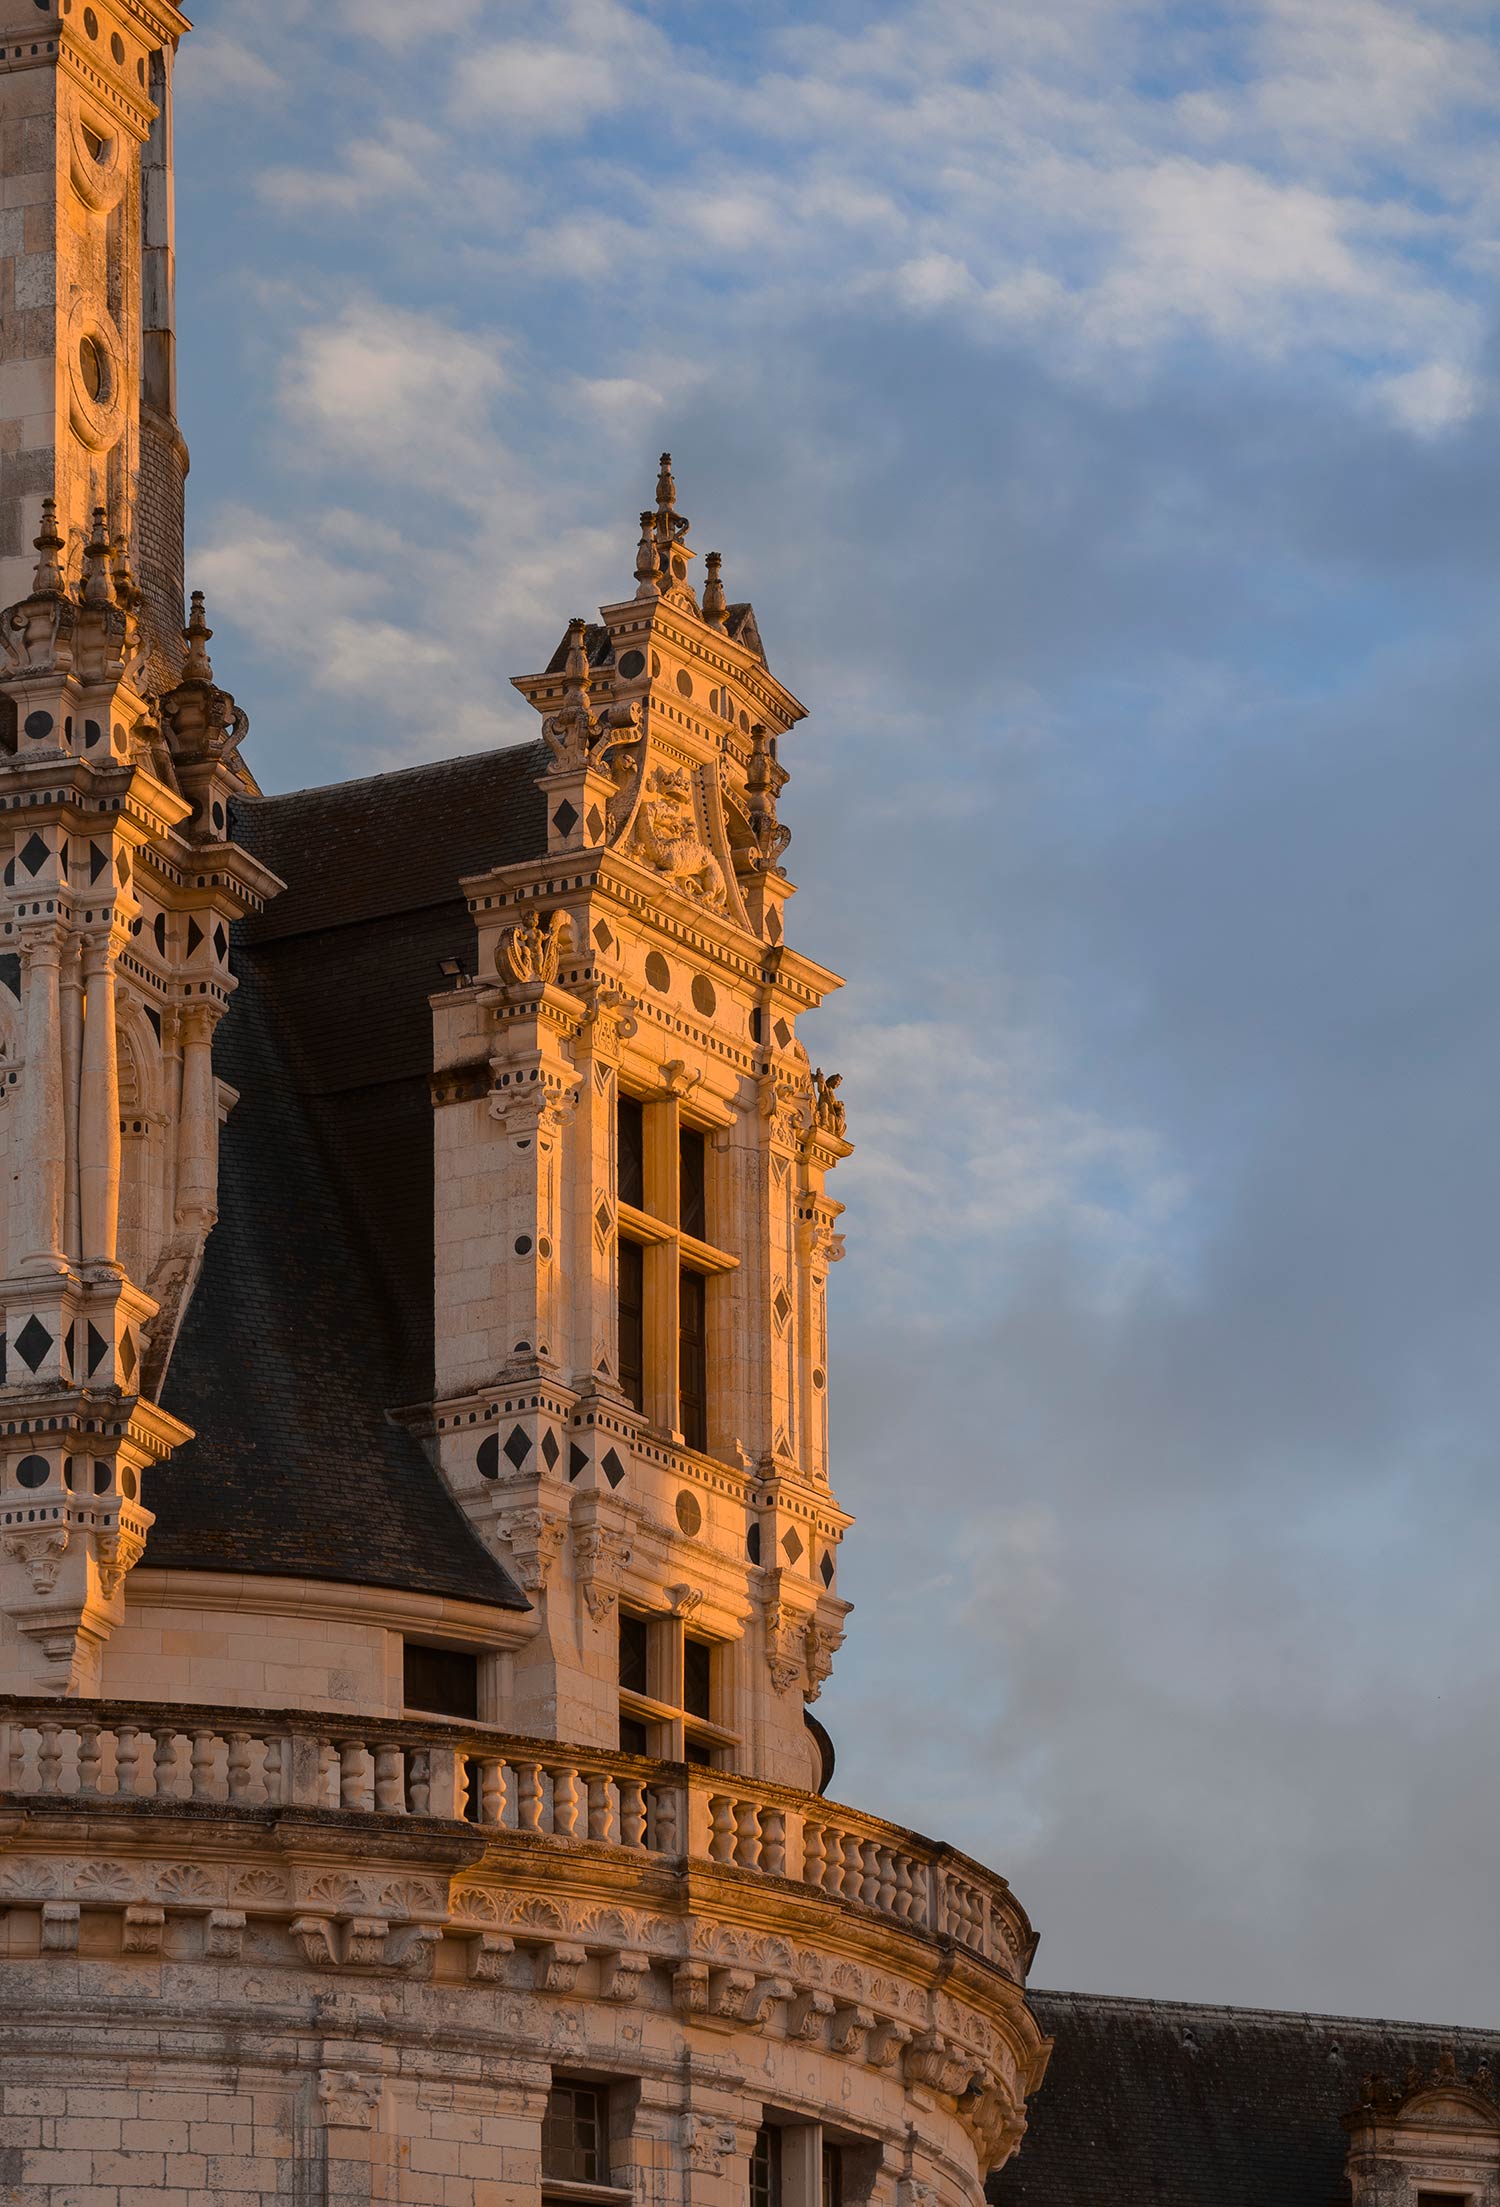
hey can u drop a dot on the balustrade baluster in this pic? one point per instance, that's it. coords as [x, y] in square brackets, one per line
[812, 1854]
[49, 1758]
[747, 1835]
[237, 1766]
[203, 1747]
[90, 1761]
[564, 1801]
[869, 1885]
[854, 1867]
[165, 1762]
[904, 1898]
[664, 1819]
[127, 1761]
[773, 1842]
[276, 1769]
[528, 1797]
[419, 1780]
[885, 1882]
[632, 1811]
[721, 1828]
[390, 1779]
[328, 1774]
[492, 1791]
[354, 1784]
[601, 1807]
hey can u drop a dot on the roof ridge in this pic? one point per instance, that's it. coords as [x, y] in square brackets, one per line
[388, 774]
[1145, 2003]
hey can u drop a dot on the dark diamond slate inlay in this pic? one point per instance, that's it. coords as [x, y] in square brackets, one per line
[34, 854]
[518, 1447]
[825, 1569]
[791, 1545]
[195, 936]
[612, 1468]
[221, 941]
[488, 1458]
[565, 819]
[550, 1448]
[782, 1032]
[127, 1356]
[98, 860]
[603, 937]
[782, 1307]
[32, 1342]
[594, 823]
[97, 1348]
[577, 1460]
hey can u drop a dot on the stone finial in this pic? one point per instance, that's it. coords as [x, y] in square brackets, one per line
[647, 557]
[197, 666]
[715, 604]
[666, 488]
[98, 561]
[49, 574]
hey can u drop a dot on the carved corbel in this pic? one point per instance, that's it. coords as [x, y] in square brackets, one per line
[728, 1992]
[690, 1988]
[60, 1925]
[768, 1991]
[555, 1967]
[683, 1600]
[621, 1976]
[599, 1559]
[224, 1934]
[413, 1949]
[707, 2142]
[821, 1645]
[40, 1549]
[144, 1928]
[365, 1941]
[535, 1539]
[851, 2027]
[489, 1957]
[314, 1935]
[808, 2013]
[118, 1548]
[886, 2044]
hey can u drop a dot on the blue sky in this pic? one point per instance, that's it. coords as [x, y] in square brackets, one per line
[1098, 401]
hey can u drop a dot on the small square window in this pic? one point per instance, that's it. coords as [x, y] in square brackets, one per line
[442, 1681]
[573, 2134]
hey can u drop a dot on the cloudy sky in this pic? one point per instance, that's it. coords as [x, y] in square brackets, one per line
[1098, 399]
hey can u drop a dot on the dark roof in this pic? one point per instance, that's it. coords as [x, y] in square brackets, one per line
[313, 1318]
[1158, 2103]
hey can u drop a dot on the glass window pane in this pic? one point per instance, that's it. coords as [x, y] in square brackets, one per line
[632, 1290]
[693, 1184]
[765, 2168]
[572, 2134]
[633, 1737]
[631, 1123]
[692, 1358]
[697, 1678]
[443, 1681]
[634, 1633]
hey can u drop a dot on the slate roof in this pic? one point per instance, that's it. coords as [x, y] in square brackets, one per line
[1159, 2103]
[313, 1317]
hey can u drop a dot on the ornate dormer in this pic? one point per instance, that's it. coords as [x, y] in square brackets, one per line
[1433, 2136]
[633, 1226]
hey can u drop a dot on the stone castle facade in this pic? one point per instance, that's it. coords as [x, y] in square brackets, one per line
[417, 1546]
[418, 1552]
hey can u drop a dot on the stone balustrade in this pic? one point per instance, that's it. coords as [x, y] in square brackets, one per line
[82, 1755]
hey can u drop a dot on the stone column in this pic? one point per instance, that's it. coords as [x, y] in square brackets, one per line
[42, 1146]
[71, 981]
[99, 1109]
[198, 1130]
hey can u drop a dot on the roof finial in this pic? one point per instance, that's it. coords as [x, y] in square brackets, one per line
[715, 604]
[49, 574]
[197, 667]
[666, 489]
[647, 557]
[98, 582]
